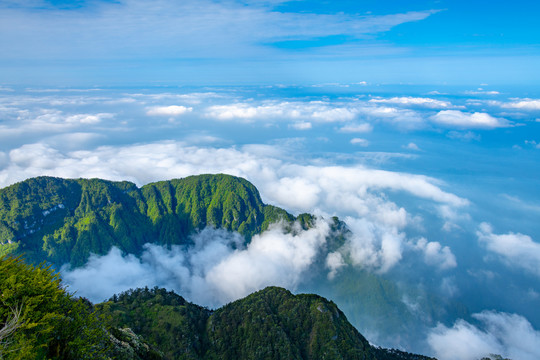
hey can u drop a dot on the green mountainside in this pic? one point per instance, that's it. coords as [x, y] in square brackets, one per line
[63, 221]
[268, 324]
[40, 320]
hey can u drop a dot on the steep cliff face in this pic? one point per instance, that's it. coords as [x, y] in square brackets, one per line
[61, 220]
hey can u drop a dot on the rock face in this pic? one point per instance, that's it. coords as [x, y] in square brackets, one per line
[63, 221]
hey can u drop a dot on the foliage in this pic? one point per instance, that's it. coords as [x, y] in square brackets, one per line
[269, 324]
[62, 220]
[274, 324]
[162, 317]
[41, 320]
[52, 323]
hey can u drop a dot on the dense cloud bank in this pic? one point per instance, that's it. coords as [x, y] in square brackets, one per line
[217, 268]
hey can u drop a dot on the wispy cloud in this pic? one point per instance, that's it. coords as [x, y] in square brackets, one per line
[360, 142]
[411, 146]
[509, 335]
[171, 110]
[284, 111]
[217, 268]
[477, 120]
[515, 249]
[165, 29]
[464, 136]
[415, 101]
[481, 91]
[356, 128]
[523, 104]
[435, 254]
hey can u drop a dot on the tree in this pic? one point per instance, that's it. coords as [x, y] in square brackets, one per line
[11, 325]
[52, 324]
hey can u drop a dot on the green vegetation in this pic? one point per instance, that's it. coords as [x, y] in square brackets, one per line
[60, 221]
[40, 320]
[269, 324]
[161, 317]
[63, 221]
[274, 324]
[50, 323]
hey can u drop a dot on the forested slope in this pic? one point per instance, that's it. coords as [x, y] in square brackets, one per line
[269, 324]
[39, 319]
[63, 221]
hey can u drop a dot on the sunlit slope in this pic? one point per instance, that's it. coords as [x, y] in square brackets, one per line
[61, 220]
[269, 324]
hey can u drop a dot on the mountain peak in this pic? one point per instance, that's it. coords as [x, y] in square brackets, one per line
[64, 220]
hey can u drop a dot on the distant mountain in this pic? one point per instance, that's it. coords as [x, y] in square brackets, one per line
[269, 324]
[63, 221]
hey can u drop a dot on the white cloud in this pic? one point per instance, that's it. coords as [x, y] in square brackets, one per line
[464, 136]
[414, 101]
[515, 249]
[334, 261]
[481, 91]
[523, 104]
[412, 146]
[352, 193]
[284, 111]
[435, 254]
[87, 118]
[509, 335]
[360, 142]
[47, 121]
[302, 125]
[165, 30]
[172, 110]
[401, 118]
[455, 118]
[357, 128]
[215, 270]
[371, 246]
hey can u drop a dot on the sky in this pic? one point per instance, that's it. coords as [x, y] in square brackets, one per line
[417, 123]
[70, 43]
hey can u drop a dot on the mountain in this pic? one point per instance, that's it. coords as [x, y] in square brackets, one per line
[269, 324]
[42, 320]
[63, 221]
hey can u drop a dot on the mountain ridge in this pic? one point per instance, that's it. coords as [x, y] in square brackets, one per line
[271, 323]
[64, 220]
[143, 324]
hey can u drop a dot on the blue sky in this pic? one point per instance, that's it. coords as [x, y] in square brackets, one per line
[228, 42]
[417, 122]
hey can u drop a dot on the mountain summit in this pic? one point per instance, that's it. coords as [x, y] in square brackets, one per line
[63, 221]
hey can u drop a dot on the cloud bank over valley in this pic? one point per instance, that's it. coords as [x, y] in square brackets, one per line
[407, 173]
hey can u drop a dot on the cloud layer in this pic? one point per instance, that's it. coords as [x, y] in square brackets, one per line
[217, 268]
[377, 162]
[130, 29]
[517, 250]
[509, 335]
